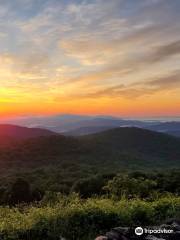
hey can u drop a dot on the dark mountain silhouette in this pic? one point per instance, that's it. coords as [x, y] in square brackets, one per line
[136, 140]
[8, 131]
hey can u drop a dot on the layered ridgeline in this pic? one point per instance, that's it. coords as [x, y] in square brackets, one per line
[76, 125]
[119, 148]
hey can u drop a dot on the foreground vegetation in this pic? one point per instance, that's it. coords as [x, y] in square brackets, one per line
[93, 206]
[32, 186]
[74, 218]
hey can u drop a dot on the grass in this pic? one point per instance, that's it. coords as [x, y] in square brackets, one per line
[77, 219]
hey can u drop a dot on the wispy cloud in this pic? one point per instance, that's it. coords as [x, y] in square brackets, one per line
[137, 89]
[89, 49]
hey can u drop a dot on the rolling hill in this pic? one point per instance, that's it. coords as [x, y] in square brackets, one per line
[138, 141]
[8, 132]
[56, 162]
[124, 148]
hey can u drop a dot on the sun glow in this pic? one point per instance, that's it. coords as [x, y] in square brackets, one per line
[116, 64]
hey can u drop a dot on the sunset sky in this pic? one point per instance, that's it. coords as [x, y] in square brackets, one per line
[118, 57]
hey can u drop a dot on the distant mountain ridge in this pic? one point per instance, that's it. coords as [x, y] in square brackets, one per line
[87, 130]
[171, 128]
[71, 124]
[68, 122]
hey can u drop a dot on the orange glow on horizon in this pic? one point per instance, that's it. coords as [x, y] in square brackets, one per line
[143, 107]
[123, 63]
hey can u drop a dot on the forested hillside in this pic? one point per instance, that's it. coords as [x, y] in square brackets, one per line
[131, 169]
[56, 162]
[122, 147]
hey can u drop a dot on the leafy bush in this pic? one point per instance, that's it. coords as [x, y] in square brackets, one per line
[123, 185]
[75, 219]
